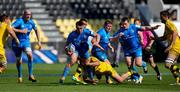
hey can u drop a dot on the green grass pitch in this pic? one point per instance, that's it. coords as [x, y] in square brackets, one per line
[48, 78]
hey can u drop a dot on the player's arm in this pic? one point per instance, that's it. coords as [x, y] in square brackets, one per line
[141, 37]
[95, 41]
[37, 34]
[151, 41]
[24, 31]
[38, 38]
[12, 33]
[94, 63]
[16, 24]
[174, 36]
[174, 33]
[145, 28]
[111, 47]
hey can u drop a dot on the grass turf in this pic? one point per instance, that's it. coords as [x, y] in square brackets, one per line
[48, 78]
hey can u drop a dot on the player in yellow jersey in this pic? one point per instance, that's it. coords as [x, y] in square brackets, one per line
[102, 68]
[5, 29]
[173, 49]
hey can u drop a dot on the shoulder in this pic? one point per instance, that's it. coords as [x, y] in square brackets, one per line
[101, 30]
[86, 30]
[19, 20]
[3, 24]
[169, 23]
[32, 21]
[73, 33]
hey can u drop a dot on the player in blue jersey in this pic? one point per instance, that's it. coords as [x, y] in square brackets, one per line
[105, 43]
[22, 27]
[129, 39]
[79, 38]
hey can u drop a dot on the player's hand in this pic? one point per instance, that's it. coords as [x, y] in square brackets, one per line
[112, 49]
[142, 43]
[40, 46]
[121, 34]
[156, 27]
[17, 42]
[24, 31]
[167, 49]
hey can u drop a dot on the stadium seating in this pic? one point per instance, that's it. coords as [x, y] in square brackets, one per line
[12, 7]
[43, 38]
[62, 11]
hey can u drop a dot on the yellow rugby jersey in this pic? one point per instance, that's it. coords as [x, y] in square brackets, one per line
[103, 68]
[3, 34]
[3, 38]
[169, 27]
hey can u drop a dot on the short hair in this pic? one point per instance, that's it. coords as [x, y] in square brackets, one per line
[125, 19]
[79, 23]
[107, 22]
[137, 20]
[3, 17]
[83, 19]
[165, 13]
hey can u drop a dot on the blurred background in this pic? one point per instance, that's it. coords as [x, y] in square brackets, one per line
[56, 19]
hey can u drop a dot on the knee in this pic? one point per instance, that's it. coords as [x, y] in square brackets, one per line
[70, 64]
[139, 64]
[30, 56]
[128, 63]
[167, 65]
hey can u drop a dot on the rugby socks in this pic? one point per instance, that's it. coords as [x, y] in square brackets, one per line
[107, 77]
[144, 65]
[66, 71]
[78, 72]
[19, 68]
[157, 70]
[30, 67]
[134, 69]
[174, 68]
[90, 72]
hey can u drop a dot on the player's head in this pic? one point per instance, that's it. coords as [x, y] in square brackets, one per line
[164, 15]
[70, 49]
[137, 21]
[108, 25]
[79, 26]
[84, 21]
[125, 22]
[4, 18]
[27, 14]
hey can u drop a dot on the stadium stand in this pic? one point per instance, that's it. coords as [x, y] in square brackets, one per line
[56, 18]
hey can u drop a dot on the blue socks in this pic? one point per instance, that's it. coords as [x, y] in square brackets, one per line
[144, 64]
[66, 71]
[30, 67]
[135, 69]
[90, 72]
[19, 68]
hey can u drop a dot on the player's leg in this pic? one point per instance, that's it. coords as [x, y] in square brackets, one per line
[121, 78]
[169, 64]
[73, 60]
[139, 62]
[30, 64]
[79, 71]
[102, 56]
[3, 61]
[155, 67]
[18, 52]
